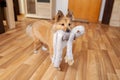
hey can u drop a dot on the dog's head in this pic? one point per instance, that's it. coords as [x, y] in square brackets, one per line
[63, 22]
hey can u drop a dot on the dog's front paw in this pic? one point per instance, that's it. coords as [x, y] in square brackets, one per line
[58, 68]
[66, 60]
[69, 61]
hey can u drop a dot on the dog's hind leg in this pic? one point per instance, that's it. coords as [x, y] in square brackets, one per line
[37, 45]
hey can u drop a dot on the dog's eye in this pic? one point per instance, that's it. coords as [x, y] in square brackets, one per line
[69, 24]
[62, 24]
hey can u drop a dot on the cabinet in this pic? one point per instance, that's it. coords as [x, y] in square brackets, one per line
[40, 8]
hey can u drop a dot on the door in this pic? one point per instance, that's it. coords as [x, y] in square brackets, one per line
[88, 10]
[2, 30]
[16, 9]
[107, 11]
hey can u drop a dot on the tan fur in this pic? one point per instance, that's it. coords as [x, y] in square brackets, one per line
[42, 34]
[42, 31]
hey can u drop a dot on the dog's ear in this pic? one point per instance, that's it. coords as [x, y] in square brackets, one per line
[69, 14]
[59, 16]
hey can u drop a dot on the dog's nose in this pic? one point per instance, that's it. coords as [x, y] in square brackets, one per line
[67, 30]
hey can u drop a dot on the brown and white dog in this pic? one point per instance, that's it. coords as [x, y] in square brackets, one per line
[42, 31]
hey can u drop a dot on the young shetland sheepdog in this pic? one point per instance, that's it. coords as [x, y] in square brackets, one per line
[42, 31]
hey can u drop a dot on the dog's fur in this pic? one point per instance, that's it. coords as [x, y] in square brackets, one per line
[42, 31]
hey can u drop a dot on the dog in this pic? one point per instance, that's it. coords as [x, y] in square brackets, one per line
[42, 31]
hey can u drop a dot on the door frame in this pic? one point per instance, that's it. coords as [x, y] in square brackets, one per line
[107, 11]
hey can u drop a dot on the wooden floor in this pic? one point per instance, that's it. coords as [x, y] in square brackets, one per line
[96, 55]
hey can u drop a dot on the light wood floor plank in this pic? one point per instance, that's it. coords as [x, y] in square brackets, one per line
[96, 55]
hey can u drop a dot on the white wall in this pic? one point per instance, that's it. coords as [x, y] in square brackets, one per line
[102, 10]
[21, 6]
[62, 5]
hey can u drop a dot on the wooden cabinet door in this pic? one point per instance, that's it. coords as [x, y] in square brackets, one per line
[85, 9]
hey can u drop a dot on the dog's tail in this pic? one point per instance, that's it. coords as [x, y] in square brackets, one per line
[29, 30]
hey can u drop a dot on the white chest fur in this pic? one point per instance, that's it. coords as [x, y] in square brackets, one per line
[62, 39]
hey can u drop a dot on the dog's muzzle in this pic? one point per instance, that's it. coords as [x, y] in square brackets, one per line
[67, 30]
